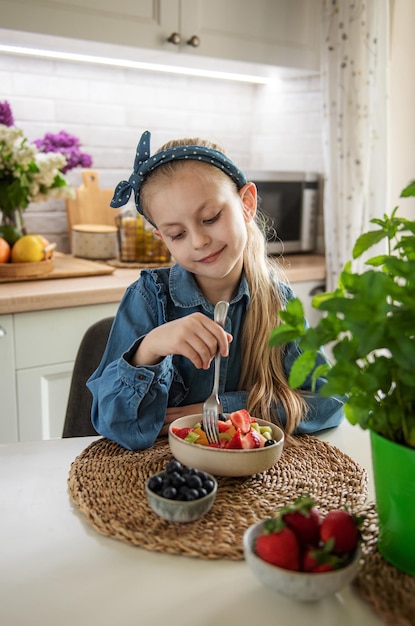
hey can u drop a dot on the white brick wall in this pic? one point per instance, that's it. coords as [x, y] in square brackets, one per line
[276, 126]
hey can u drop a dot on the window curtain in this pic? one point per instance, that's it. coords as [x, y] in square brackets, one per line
[354, 61]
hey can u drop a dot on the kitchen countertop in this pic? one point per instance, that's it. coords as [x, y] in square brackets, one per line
[38, 295]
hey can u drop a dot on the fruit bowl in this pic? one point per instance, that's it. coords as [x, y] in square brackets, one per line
[302, 586]
[175, 509]
[23, 271]
[223, 462]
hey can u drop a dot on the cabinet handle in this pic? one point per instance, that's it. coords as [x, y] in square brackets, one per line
[2, 331]
[175, 39]
[317, 289]
[194, 41]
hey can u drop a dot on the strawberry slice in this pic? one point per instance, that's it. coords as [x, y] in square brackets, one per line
[251, 440]
[241, 419]
[181, 432]
[224, 426]
[236, 442]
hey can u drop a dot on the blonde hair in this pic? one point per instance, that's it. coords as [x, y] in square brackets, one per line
[262, 371]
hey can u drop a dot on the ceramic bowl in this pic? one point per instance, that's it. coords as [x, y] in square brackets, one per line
[302, 586]
[222, 462]
[181, 510]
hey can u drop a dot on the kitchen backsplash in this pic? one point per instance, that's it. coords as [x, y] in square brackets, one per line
[269, 127]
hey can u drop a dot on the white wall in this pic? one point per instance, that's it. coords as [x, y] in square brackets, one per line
[262, 127]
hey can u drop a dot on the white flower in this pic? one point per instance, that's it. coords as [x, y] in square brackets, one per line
[15, 153]
[49, 165]
[39, 174]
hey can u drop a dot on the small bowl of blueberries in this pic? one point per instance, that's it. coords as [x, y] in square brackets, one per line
[180, 493]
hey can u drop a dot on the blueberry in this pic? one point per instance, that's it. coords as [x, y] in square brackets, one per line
[190, 471]
[176, 479]
[155, 483]
[208, 484]
[192, 494]
[222, 417]
[194, 481]
[173, 466]
[269, 442]
[169, 492]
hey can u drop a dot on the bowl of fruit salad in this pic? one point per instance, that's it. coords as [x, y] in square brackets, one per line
[247, 445]
[302, 554]
[181, 493]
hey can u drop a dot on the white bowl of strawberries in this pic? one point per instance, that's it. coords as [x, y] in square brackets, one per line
[303, 555]
[247, 445]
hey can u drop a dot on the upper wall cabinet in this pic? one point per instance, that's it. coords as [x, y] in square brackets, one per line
[272, 32]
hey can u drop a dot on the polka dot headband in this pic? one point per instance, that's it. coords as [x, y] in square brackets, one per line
[144, 164]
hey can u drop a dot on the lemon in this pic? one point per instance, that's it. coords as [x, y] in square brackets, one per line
[28, 249]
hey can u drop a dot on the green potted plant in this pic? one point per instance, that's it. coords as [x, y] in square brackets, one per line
[369, 323]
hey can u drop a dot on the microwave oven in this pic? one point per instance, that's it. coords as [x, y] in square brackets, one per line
[289, 201]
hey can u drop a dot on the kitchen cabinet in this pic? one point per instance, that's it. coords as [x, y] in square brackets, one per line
[8, 403]
[38, 351]
[271, 32]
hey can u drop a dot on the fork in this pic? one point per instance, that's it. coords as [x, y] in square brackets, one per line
[211, 406]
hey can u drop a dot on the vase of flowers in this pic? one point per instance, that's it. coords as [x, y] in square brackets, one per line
[32, 172]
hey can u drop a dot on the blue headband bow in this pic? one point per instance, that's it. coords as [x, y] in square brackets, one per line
[144, 164]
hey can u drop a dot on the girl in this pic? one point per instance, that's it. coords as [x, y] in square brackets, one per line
[158, 363]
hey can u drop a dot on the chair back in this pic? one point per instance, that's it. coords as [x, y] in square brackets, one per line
[78, 411]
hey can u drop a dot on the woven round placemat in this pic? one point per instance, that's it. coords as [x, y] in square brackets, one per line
[107, 483]
[390, 592]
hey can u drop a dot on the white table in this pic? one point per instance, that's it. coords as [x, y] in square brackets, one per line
[56, 570]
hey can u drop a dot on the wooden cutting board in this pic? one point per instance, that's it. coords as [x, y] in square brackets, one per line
[92, 204]
[68, 266]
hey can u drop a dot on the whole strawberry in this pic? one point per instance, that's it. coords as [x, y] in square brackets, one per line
[278, 545]
[304, 519]
[341, 529]
[321, 560]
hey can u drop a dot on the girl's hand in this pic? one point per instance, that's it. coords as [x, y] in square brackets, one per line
[195, 336]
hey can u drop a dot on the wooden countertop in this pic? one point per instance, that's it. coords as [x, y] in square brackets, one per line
[57, 293]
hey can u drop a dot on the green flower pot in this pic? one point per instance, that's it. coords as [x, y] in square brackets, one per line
[394, 477]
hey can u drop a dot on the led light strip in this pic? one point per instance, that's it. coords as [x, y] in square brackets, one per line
[136, 65]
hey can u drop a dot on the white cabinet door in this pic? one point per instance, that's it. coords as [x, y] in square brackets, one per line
[42, 397]
[8, 406]
[138, 23]
[46, 346]
[272, 32]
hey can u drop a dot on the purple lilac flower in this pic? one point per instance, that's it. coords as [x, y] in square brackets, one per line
[66, 144]
[6, 115]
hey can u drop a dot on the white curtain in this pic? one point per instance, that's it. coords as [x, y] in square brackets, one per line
[354, 73]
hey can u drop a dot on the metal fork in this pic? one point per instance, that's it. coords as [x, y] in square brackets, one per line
[211, 406]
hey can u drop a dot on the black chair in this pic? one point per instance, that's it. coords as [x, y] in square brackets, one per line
[78, 410]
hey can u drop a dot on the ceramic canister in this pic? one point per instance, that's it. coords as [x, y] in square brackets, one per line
[94, 241]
